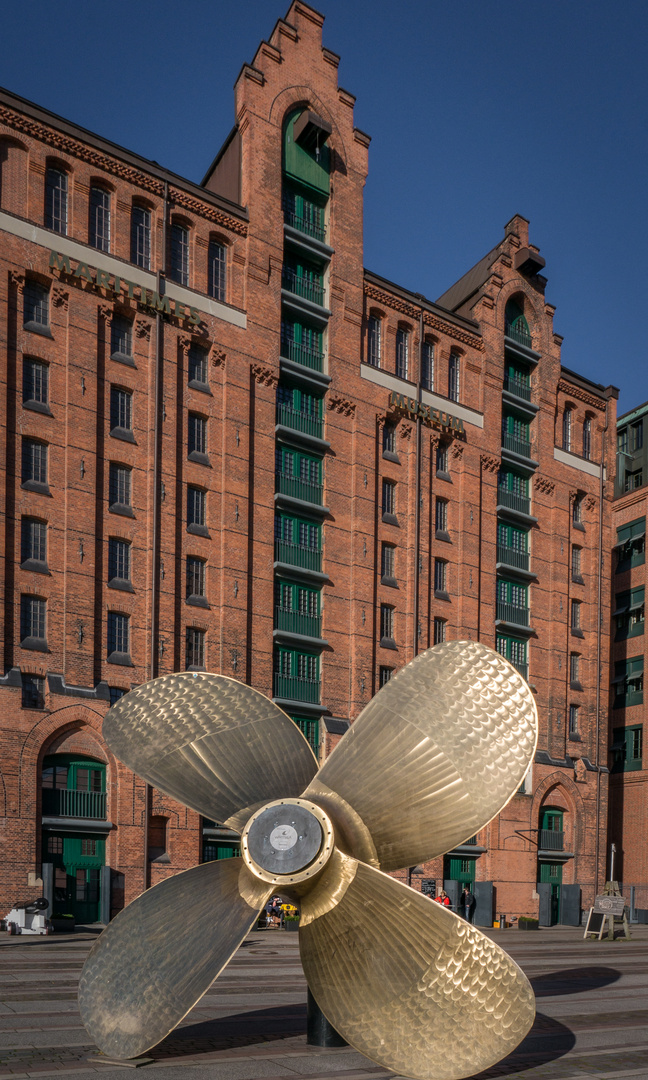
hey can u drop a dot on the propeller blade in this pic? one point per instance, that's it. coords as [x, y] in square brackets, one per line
[155, 960]
[213, 743]
[433, 757]
[404, 980]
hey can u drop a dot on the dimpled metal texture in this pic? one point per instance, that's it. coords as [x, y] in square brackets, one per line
[407, 982]
[433, 757]
[161, 953]
[213, 743]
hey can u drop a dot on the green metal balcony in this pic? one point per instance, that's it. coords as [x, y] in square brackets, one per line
[512, 557]
[518, 385]
[512, 614]
[519, 335]
[297, 622]
[305, 287]
[300, 421]
[552, 840]
[74, 804]
[294, 688]
[513, 501]
[300, 489]
[302, 354]
[310, 221]
[517, 446]
[305, 558]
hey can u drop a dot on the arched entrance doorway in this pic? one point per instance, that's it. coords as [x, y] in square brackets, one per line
[74, 852]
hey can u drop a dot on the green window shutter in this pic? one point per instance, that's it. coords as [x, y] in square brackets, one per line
[627, 749]
[310, 729]
[513, 649]
[307, 167]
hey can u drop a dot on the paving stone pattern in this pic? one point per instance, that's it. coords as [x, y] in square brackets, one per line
[592, 1017]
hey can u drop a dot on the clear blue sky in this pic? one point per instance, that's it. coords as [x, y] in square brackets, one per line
[476, 111]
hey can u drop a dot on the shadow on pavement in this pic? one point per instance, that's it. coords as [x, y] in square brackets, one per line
[547, 1040]
[236, 1029]
[573, 981]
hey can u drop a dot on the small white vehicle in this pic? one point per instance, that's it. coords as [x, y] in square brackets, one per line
[28, 918]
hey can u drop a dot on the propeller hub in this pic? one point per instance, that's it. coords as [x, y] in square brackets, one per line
[287, 841]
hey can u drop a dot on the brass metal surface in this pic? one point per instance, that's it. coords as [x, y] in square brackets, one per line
[404, 980]
[213, 743]
[433, 757]
[157, 958]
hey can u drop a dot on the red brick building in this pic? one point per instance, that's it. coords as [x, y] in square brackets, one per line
[228, 446]
[629, 773]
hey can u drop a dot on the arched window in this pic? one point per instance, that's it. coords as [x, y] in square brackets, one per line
[402, 353]
[217, 269]
[374, 340]
[99, 223]
[56, 200]
[427, 365]
[587, 438]
[179, 253]
[141, 236]
[13, 176]
[516, 326]
[74, 786]
[306, 152]
[567, 428]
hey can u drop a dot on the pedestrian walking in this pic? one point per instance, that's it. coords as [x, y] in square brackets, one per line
[467, 903]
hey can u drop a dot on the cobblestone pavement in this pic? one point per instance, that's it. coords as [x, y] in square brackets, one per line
[592, 1017]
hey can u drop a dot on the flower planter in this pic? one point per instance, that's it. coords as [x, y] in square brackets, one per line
[291, 924]
[62, 925]
[528, 924]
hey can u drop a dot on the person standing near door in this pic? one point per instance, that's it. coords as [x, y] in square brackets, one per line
[467, 902]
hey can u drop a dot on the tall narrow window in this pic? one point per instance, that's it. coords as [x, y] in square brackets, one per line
[118, 637]
[576, 618]
[441, 519]
[121, 338]
[32, 622]
[384, 675]
[99, 225]
[389, 440]
[587, 438]
[119, 486]
[442, 461]
[35, 382]
[217, 266]
[141, 236]
[567, 430]
[197, 437]
[195, 577]
[56, 200]
[388, 498]
[33, 692]
[576, 571]
[33, 543]
[34, 462]
[402, 353]
[121, 410]
[374, 341]
[180, 254]
[427, 365]
[577, 510]
[439, 631]
[36, 307]
[386, 626]
[636, 436]
[574, 671]
[195, 651]
[387, 562]
[119, 561]
[454, 386]
[440, 577]
[196, 508]
[573, 719]
[197, 366]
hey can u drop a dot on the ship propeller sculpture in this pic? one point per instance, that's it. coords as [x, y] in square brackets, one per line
[436, 754]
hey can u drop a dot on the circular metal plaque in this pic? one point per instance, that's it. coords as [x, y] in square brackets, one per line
[285, 838]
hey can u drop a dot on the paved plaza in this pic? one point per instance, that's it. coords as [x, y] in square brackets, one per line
[591, 997]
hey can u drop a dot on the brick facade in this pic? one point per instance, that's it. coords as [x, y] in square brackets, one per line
[297, 397]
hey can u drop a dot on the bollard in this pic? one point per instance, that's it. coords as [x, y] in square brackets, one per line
[318, 1030]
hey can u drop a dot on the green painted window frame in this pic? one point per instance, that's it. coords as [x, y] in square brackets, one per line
[629, 613]
[633, 538]
[516, 426]
[309, 168]
[295, 596]
[310, 729]
[513, 649]
[296, 660]
[302, 401]
[514, 482]
[512, 536]
[299, 464]
[627, 748]
[512, 592]
[628, 682]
